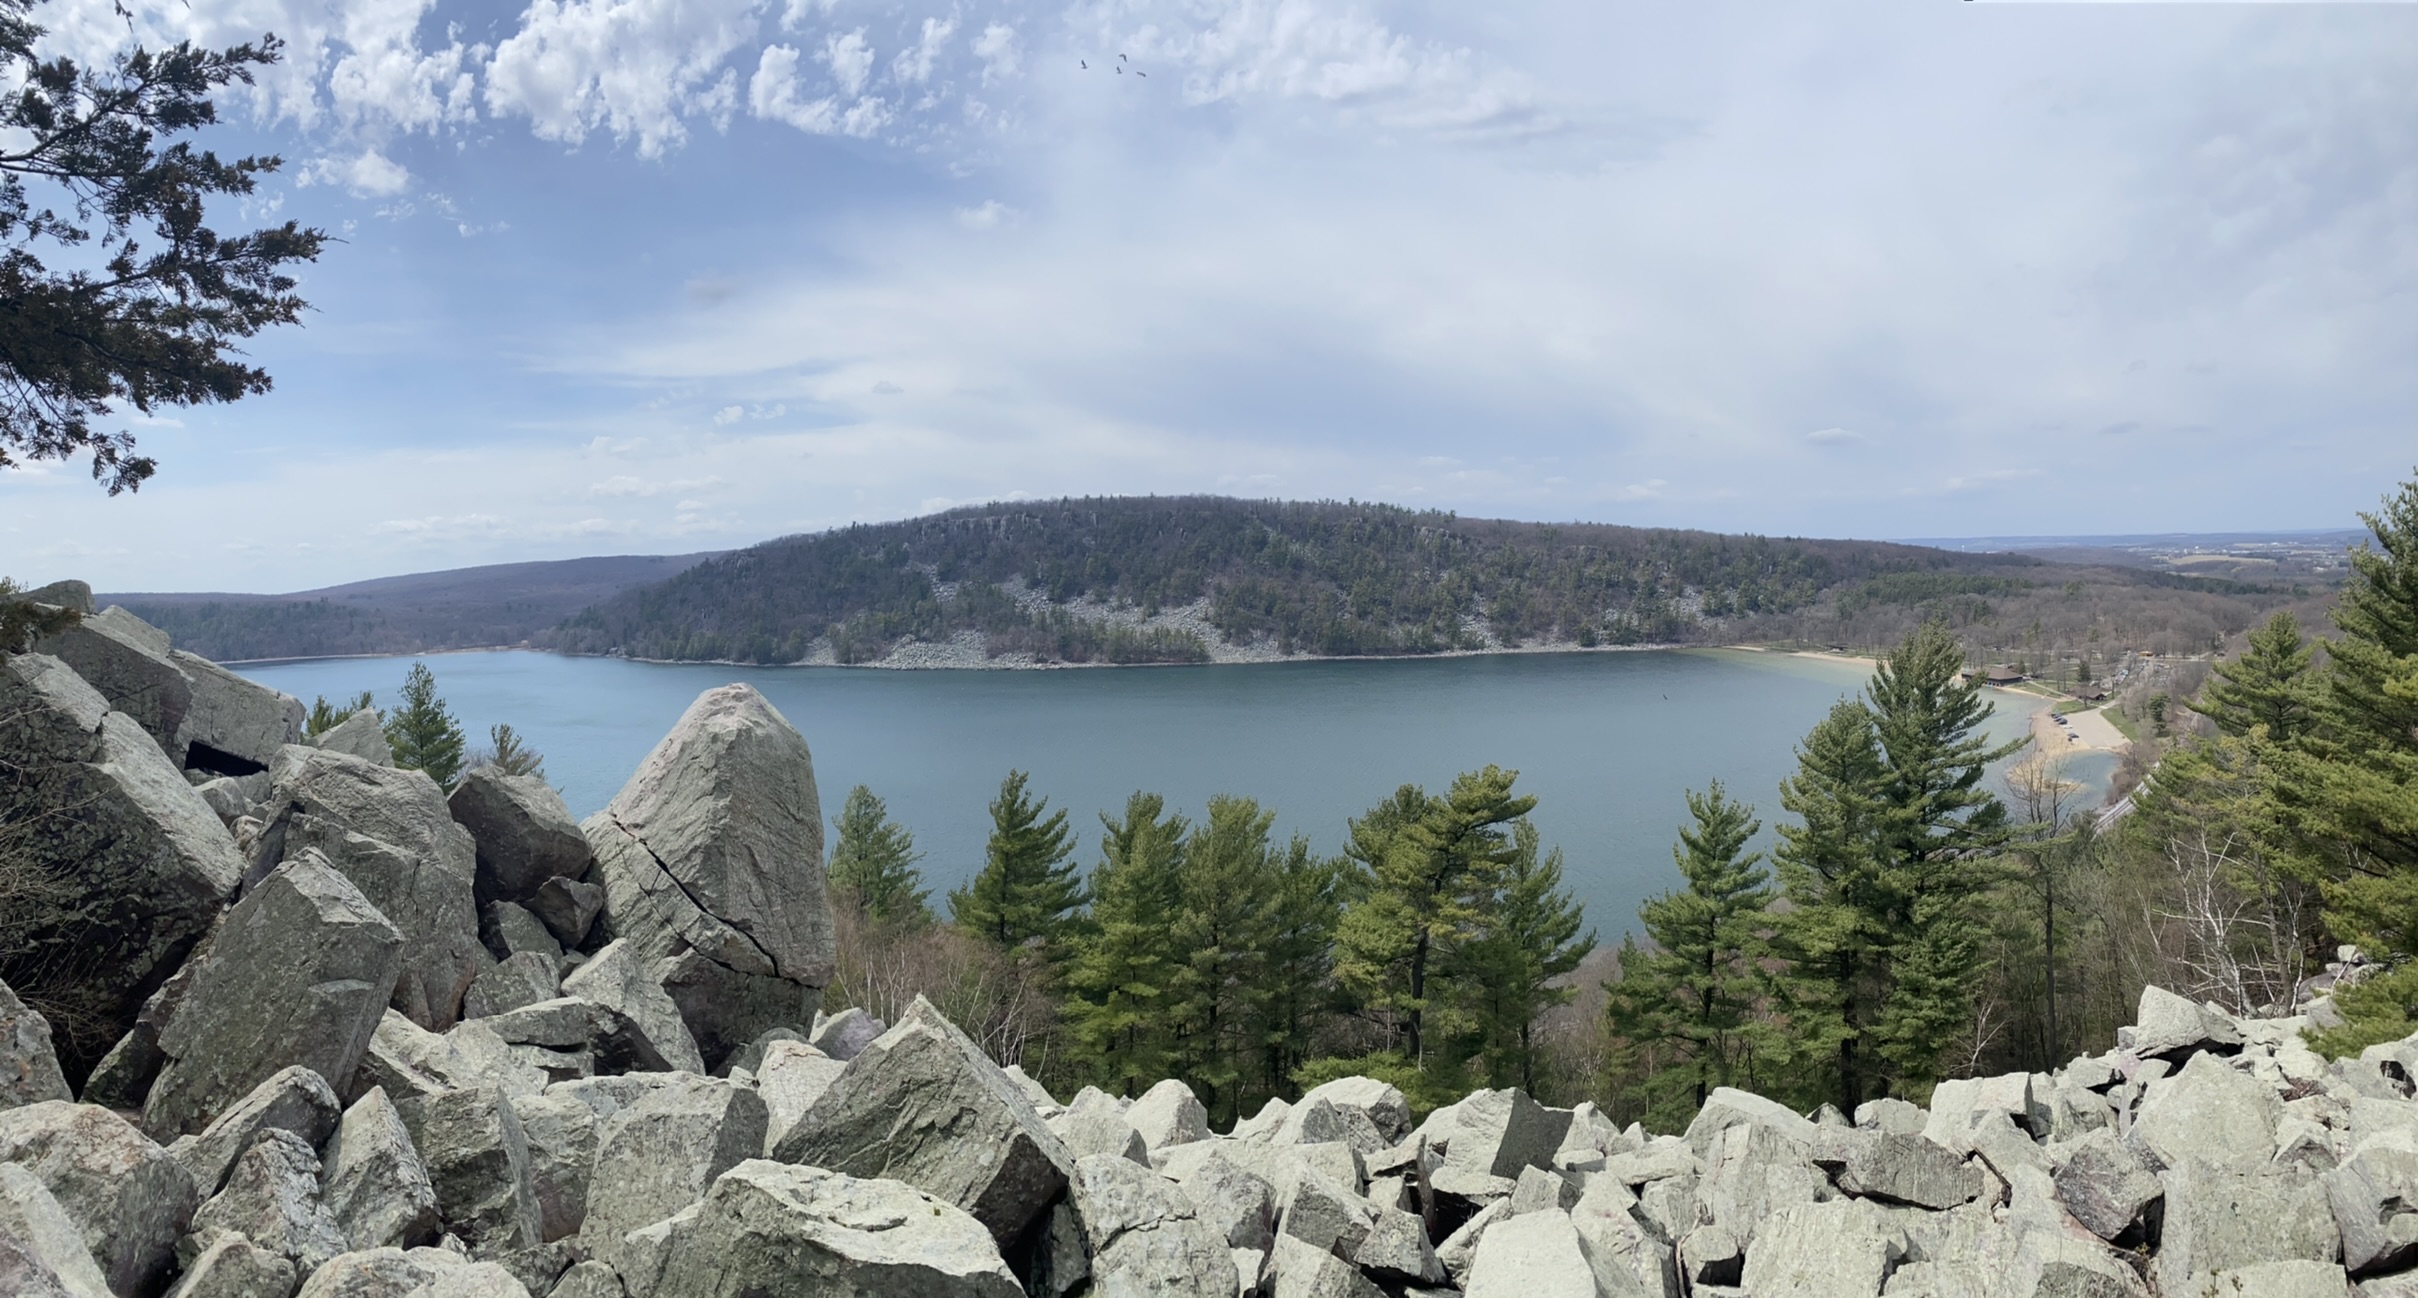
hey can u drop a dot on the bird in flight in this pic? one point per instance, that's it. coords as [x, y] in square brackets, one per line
[1140, 73]
[1120, 58]
[1086, 66]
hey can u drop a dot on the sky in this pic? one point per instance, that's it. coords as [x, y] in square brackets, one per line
[659, 276]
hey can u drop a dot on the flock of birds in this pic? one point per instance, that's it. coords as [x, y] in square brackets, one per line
[1119, 65]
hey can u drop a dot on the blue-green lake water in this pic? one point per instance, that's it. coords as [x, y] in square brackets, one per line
[1609, 742]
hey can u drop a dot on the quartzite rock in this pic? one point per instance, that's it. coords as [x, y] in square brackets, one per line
[1095, 1124]
[2105, 1185]
[662, 1153]
[525, 834]
[715, 849]
[359, 735]
[409, 1060]
[2217, 1220]
[233, 726]
[293, 1099]
[843, 1034]
[769, 1228]
[560, 1131]
[1496, 1133]
[1910, 1170]
[33, 1221]
[299, 973]
[2210, 1113]
[146, 861]
[1235, 1201]
[509, 929]
[29, 1068]
[126, 660]
[1144, 1236]
[2375, 1201]
[568, 908]
[1822, 1250]
[388, 831]
[1167, 1115]
[478, 1161]
[128, 1197]
[524, 979]
[2167, 1024]
[272, 1199]
[924, 1105]
[1382, 1102]
[1542, 1255]
[1304, 1270]
[235, 1267]
[372, 1179]
[617, 979]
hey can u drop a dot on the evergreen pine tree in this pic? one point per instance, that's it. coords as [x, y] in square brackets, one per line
[1834, 936]
[1427, 881]
[1221, 941]
[1695, 993]
[2268, 685]
[423, 733]
[1027, 890]
[873, 863]
[1532, 939]
[1297, 959]
[506, 753]
[1124, 963]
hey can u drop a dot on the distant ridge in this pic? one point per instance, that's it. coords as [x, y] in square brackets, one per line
[495, 604]
[1202, 578]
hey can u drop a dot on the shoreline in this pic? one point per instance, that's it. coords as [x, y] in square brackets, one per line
[1002, 663]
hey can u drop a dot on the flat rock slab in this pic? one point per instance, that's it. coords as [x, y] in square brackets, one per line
[372, 1179]
[662, 1153]
[33, 1222]
[298, 974]
[478, 1161]
[1909, 1170]
[772, 1228]
[925, 1106]
[524, 832]
[293, 1099]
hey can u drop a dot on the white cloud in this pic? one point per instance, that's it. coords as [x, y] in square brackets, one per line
[986, 216]
[774, 94]
[850, 60]
[1000, 54]
[636, 68]
[914, 65]
[729, 415]
[1836, 437]
[370, 175]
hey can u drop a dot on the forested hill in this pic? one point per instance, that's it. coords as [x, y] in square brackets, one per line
[1135, 579]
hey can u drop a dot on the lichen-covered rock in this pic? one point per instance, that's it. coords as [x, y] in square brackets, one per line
[29, 1067]
[1094, 1123]
[2375, 1201]
[372, 1179]
[380, 1273]
[32, 1220]
[409, 1060]
[2167, 1024]
[125, 660]
[1542, 1255]
[2105, 1185]
[298, 974]
[1143, 1235]
[924, 1105]
[1537, 1190]
[2218, 1220]
[1168, 1115]
[1381, 1102]
[772, 1228]
[1303, 1270]
[2210, 1113]
[1909, 1170]
[235, 1267]
[524, 832]
[560, 1131]
[149, 862]
[478, 1161]
[1496, 1133]
[525, 978]
[272, 1199]
[1823, 1250]
[1234, 1201]
[389, 832]
[714, 851]
[1728, 1107]
[292, 1099]
[662, 1153]
[568, 908]
[128, 1197]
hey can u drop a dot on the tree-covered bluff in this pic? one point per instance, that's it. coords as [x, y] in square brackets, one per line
[1094, 580]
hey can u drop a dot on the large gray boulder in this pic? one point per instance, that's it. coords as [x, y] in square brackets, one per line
[29, 1067]
[1144, 1236]
[1494, 1135]
[235, 1267]
[478, 1161]
[924, 1105]
[526, 978]
[1542, 1255]
[619, 978]
[524, 832]
[141, 867]
[293, 1099]
[2167, 1024]
[359, 735]
[1094, 1123]
[1167, 1115]
[2375, 1199]
[128, 1197]
[1728, 1107]
[712, 856]
[372, 1179]
[663, 1152]
[22, 1275]
[770, 1228]
[33, 1220]
[2105, 1185]
[297, 975]
[126, 660]
[791, 1077]
[272, 1199]
[410, 1060]
[568, 908]
[2218, 1220]
[389, 832]
[1304, 1270]
[1909, 1170]
[2211, 1113]
[1823, 1250]
[233, 726]
[560, 1131]
[1381, 1102]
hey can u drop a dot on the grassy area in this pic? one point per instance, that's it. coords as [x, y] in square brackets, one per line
[2124, 725]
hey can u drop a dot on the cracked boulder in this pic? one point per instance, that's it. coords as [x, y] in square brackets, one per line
[711, 858]
[272, 1199]
[233, 726]
[128, 1197]
[663, 1152]
[292, 1099]
[1144, 1236]
[389, 832]
[299, 974]
[478, 1162]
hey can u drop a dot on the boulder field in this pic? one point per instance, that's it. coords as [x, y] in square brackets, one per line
[378, 1042]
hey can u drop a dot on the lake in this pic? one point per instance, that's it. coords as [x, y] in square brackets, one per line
[1608, 742]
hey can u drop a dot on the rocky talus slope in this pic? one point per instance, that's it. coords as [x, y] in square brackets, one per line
[376, 1042]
